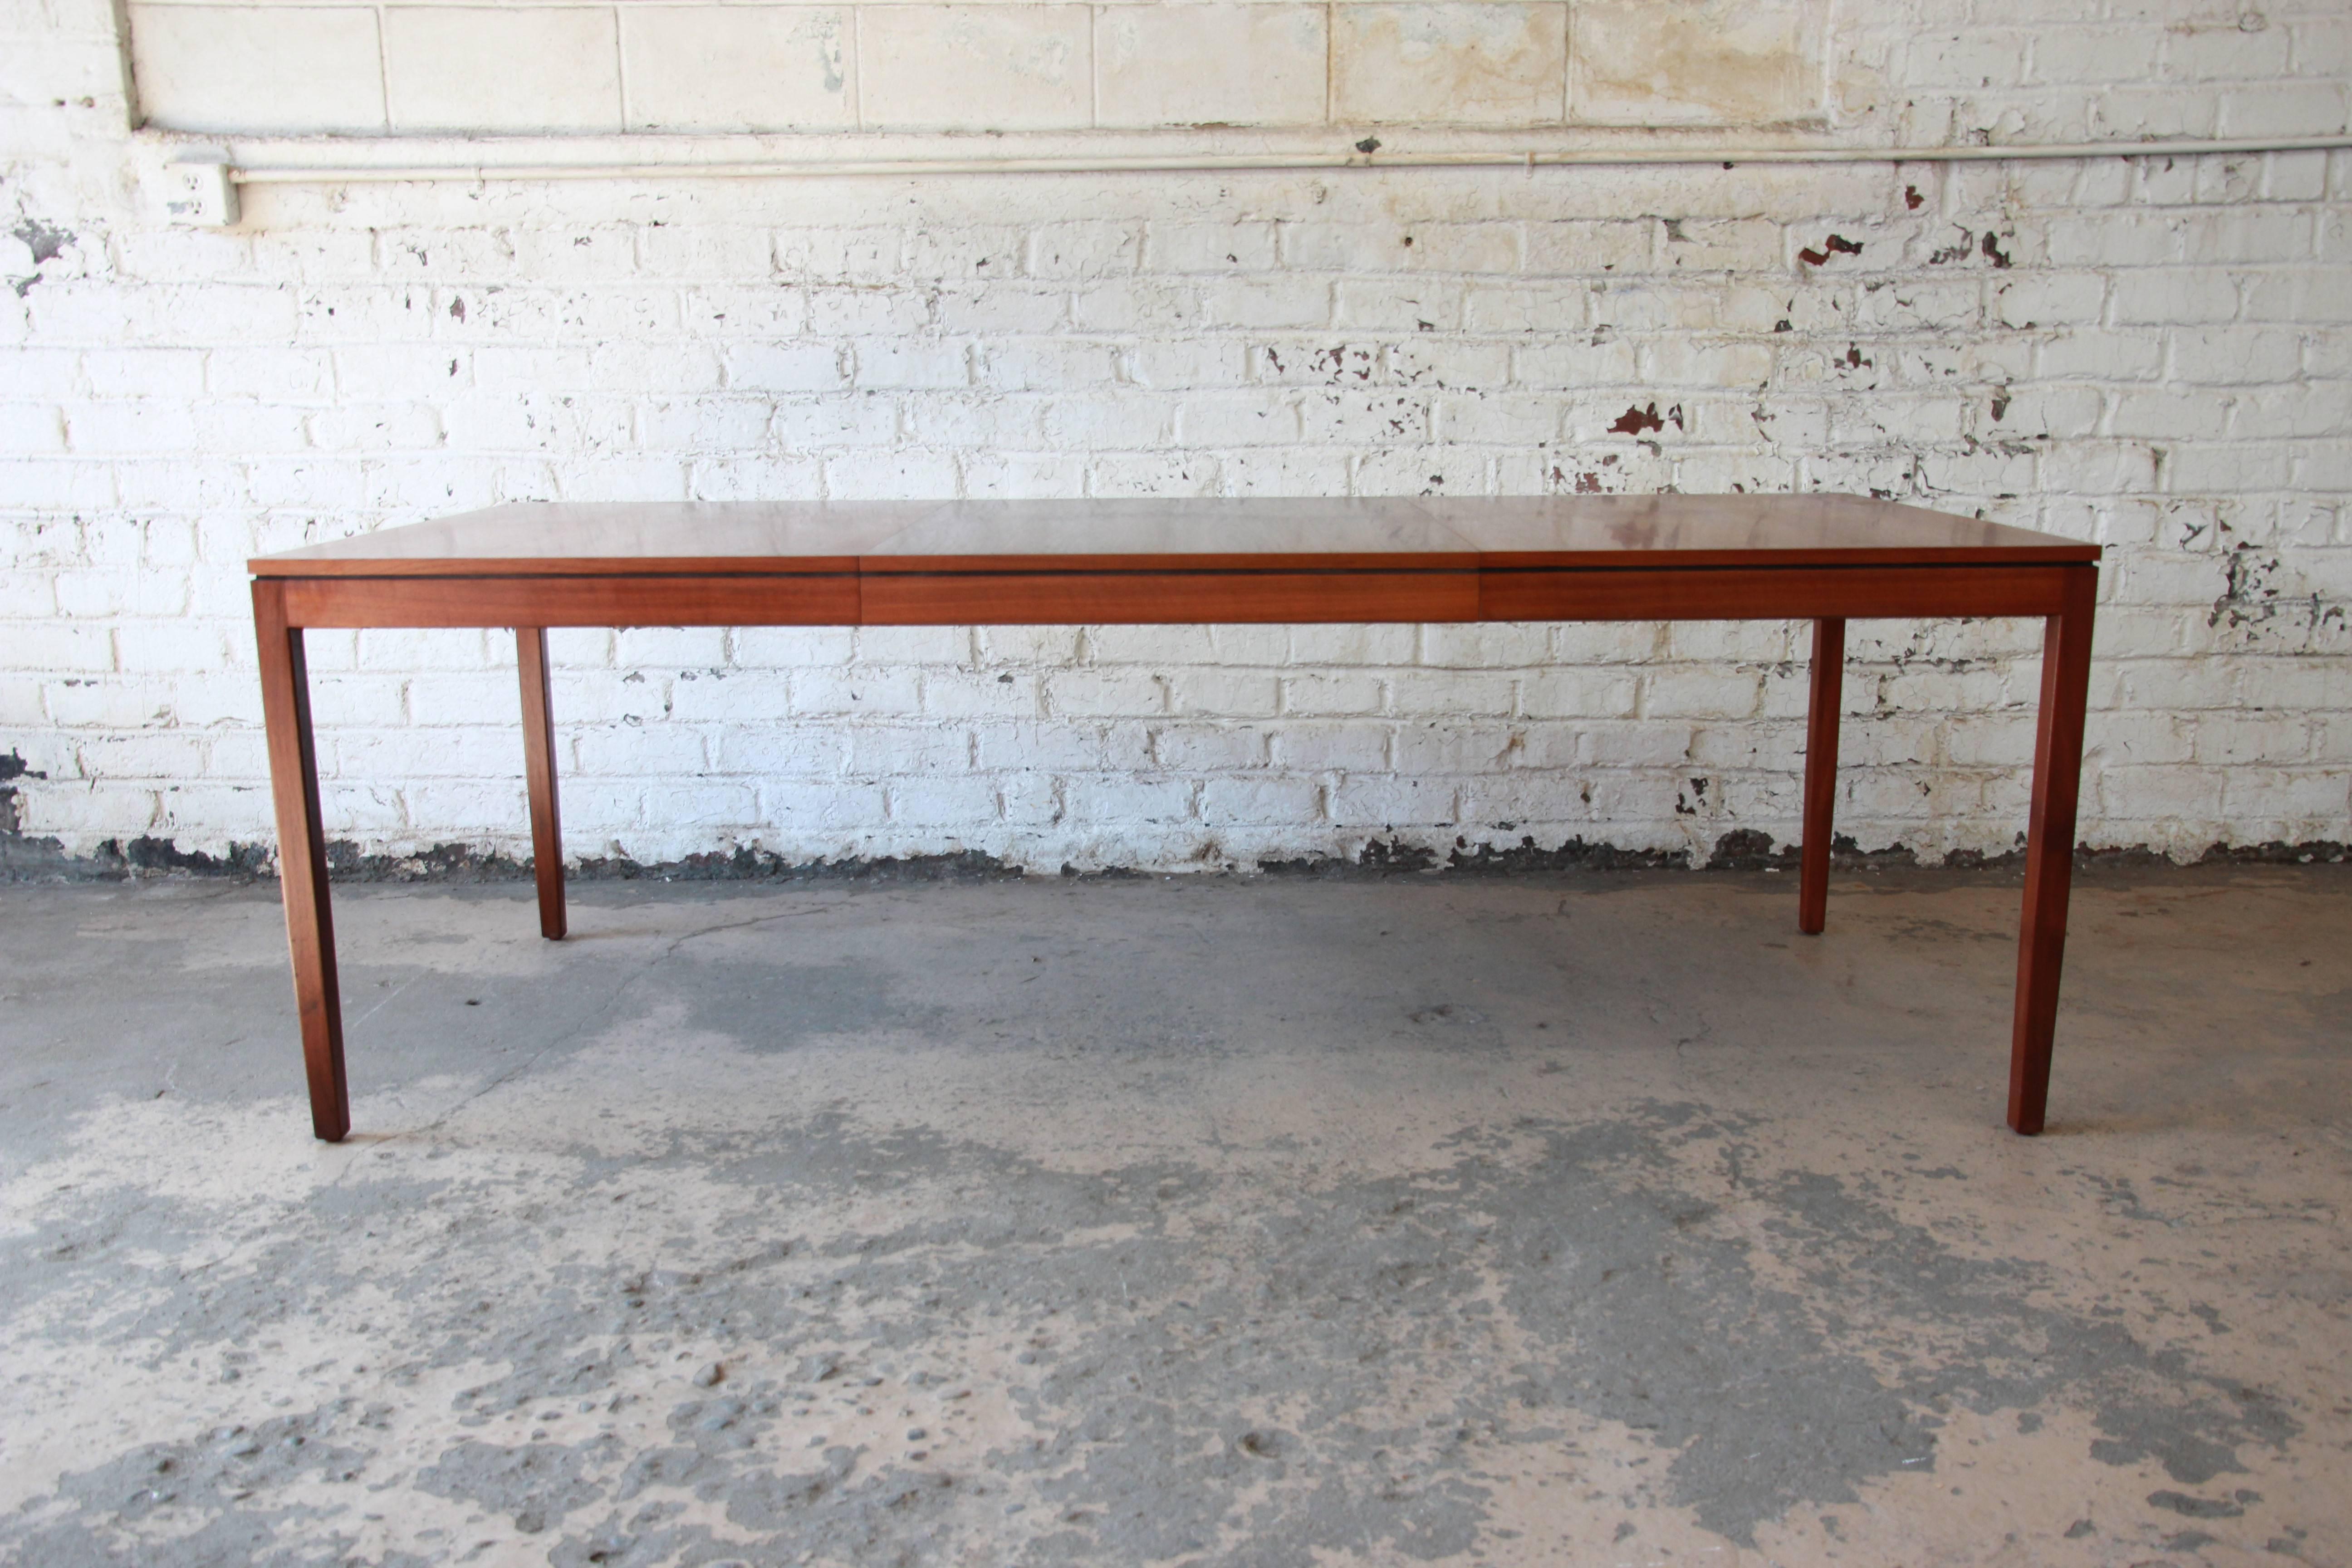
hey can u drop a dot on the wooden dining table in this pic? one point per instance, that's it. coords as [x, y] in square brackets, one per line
[1826, 559]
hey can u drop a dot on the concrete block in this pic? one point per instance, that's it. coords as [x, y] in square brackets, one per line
[738, 67]
[1451, 63]
[462, 68]
[1695, 62]
[258, 68]
[975, 67]
[1211, 64]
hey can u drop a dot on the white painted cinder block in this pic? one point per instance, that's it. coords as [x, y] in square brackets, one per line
[1697, 62]
[739, 68]
[1450, 62]
[1211, 64]
[257, 67]
[978, 66]
[480, 67]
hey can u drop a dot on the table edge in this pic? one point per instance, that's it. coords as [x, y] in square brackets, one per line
[278, 568]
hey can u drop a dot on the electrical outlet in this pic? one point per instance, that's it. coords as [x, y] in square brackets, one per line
[199, 193]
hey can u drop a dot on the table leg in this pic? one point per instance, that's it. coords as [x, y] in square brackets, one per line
[1820, 776]
[2049, 845]
[538, 765]
[302, 859]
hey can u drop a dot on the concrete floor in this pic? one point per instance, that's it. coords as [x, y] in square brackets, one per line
[1592, 1220]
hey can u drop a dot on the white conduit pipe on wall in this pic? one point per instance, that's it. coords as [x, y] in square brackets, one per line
[1239, 163]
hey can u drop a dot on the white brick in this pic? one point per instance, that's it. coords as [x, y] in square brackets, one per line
[1283, 802]
[1349, 747]
[1211, 247]
[1084, 249]
[1369, 801]
[1129, 800]
[2234, 356]
[786, 367]
[1208, 748]
[2282, 109]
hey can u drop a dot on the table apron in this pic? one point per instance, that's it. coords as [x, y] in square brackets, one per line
[1147, 599]
[1063, 598]
[649, 601]
[1839, 592]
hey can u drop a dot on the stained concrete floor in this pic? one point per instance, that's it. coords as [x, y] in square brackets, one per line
[1592, 1220]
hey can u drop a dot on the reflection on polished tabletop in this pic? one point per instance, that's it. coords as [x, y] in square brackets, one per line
[1033, 535]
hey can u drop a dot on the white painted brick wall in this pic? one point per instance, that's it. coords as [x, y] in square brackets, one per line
[2154, 354]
